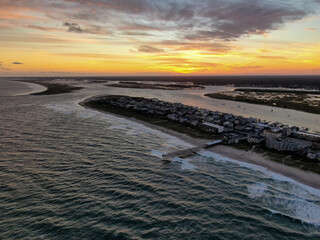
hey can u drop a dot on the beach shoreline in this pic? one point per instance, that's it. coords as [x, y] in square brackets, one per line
[304, 177]
[48, 88]
[34, 88]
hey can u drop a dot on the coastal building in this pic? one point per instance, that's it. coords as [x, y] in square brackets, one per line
[308, 136]
[261, 126]
[286, 131]
[272, 133]
[228, 124]
[239, 128]
[210, 127]
[248, 129]
[288, 144]
[283, 145]
[255, 139]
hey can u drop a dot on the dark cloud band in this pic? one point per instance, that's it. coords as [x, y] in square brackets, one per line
[215, 21]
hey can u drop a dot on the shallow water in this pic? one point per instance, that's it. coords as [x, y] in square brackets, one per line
[10, 88]
[73, 173]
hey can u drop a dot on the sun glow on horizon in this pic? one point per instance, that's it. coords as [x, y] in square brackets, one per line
[107, 38]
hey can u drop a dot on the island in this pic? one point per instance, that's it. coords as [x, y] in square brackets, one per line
[297, 99]
[164, 86]
[55, 86]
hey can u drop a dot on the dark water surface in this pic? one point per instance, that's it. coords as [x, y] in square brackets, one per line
[72, 173]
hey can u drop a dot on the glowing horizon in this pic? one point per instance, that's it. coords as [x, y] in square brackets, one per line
[136, 37]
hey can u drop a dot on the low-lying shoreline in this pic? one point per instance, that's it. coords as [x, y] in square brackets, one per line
[51, 88]
[305, 177]
[55, 88]
[142, 85]
[35, 88]
[296, 100]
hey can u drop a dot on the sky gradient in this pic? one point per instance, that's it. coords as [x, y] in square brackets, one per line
[151, 37]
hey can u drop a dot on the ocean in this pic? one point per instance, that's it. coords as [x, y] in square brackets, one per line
[72, 173]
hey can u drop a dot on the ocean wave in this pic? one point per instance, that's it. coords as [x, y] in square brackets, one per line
[282, 200]
[156, 153]
[296, 200]
[130, 128]
[133, 128]
[305, 212]
[185, 162]
[265, 171]
[256, 190]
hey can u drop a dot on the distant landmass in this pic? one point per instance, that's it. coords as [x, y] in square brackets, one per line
[308, 82]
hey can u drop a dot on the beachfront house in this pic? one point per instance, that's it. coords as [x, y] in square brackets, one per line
[210, 127]
[272, 133]
[308, 136]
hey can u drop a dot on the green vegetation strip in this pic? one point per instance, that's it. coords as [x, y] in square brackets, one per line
[154, 86]
[55, 88]
[272, 90]
[295, 103]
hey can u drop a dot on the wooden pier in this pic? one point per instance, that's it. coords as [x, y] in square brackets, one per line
[188, 152]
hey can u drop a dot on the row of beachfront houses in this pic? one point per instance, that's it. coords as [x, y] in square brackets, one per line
[232, 128]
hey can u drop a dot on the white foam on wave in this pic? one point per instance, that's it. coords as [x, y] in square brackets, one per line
[294, 200]
[133, 128]
[74, 108]
[256, 190]
[303, 211]
[133, 132]
[185, 163]
[294, 206]
[156, 153]
[265, 171]
[129, 127]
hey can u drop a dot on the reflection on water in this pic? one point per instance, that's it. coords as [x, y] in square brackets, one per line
[71, 173]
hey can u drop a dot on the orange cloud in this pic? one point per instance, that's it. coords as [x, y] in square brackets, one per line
[12, 15]
[312, 29]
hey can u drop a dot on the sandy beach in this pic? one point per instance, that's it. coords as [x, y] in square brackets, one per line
[35, 88]
[301, 176]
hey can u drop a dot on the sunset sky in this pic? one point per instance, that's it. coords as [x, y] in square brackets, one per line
[153, 37]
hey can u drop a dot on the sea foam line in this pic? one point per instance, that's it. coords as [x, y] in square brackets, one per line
[273, 175]
[117, 122]
[283, 202]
